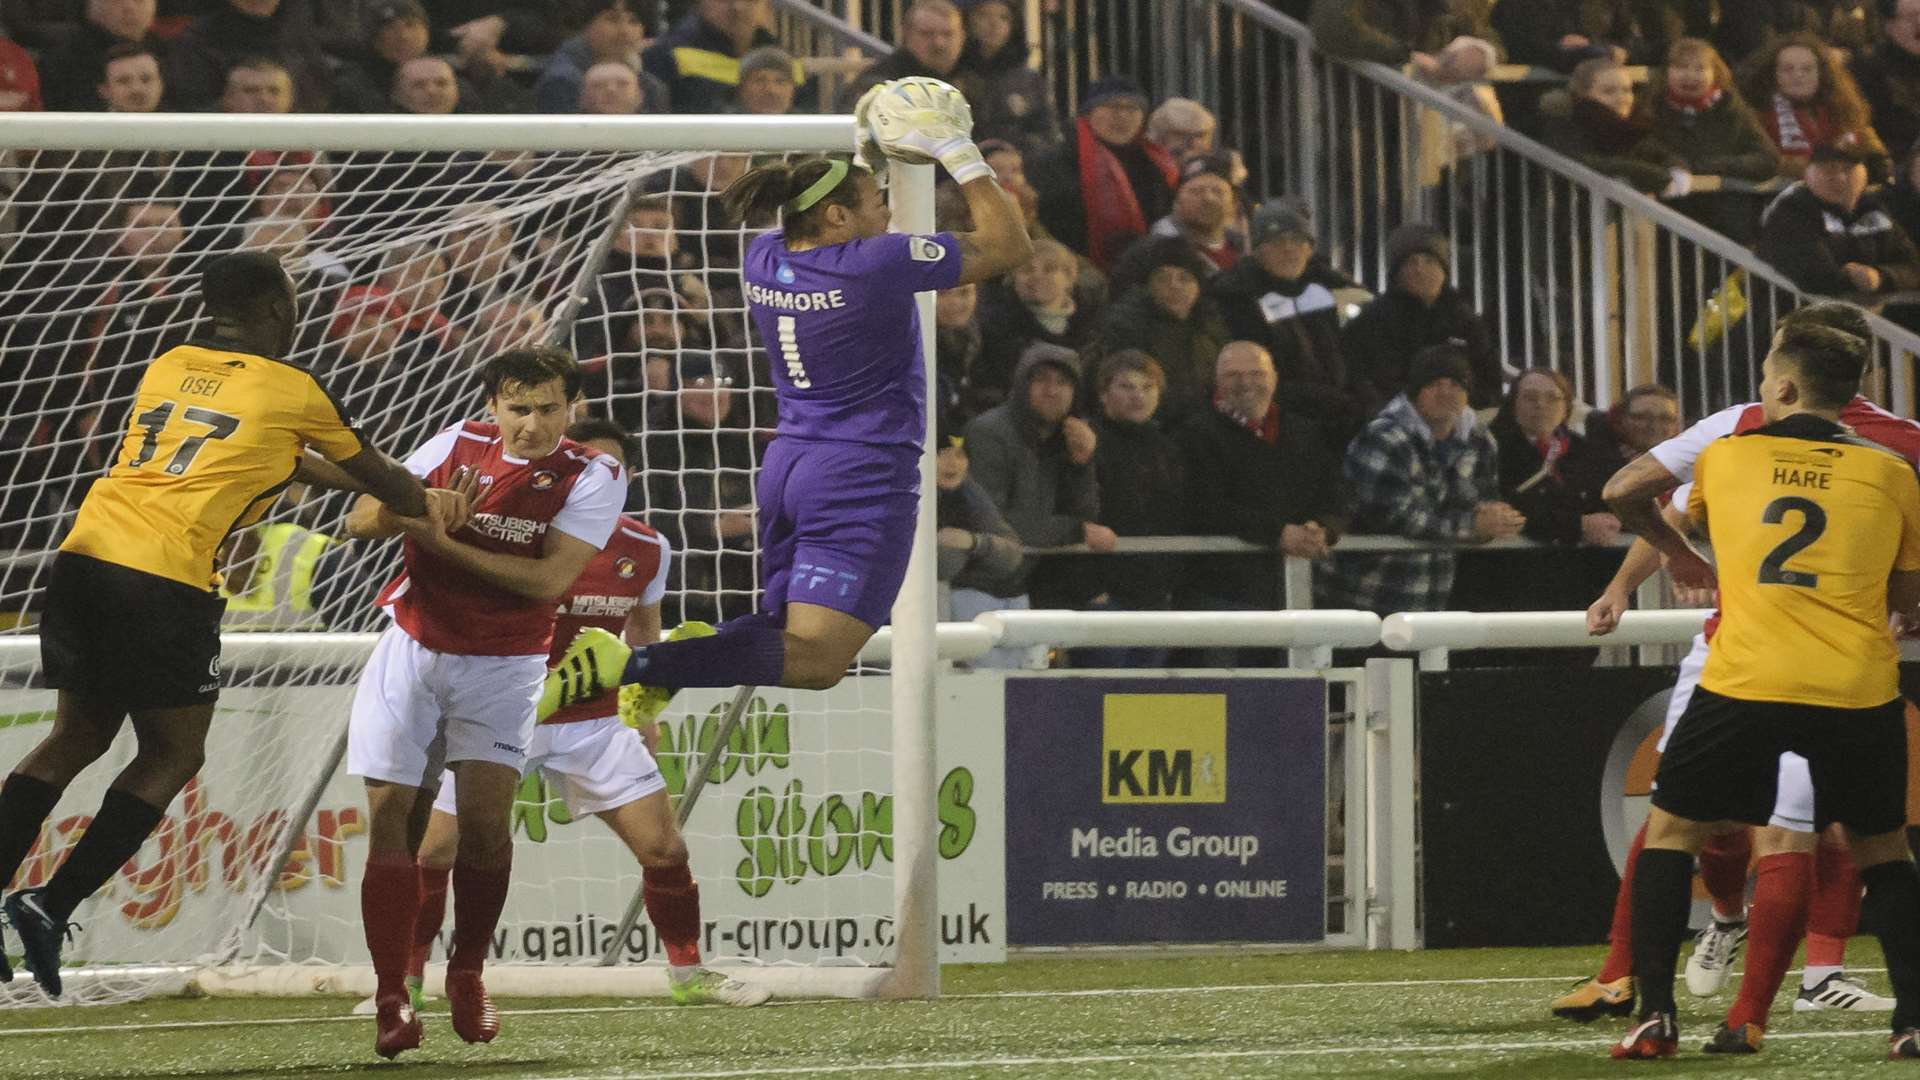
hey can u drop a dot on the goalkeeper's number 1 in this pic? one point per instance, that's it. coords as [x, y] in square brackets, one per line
[790, 352]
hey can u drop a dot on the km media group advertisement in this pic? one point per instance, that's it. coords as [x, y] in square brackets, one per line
[1144, 810]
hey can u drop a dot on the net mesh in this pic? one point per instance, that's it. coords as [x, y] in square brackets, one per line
[412, 268]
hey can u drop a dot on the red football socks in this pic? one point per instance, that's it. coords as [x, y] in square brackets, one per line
[1723, 869]
[1833, 915]
[479, 895]
[1619, 963]
[433, 911]
[673, 906]
[1774, 924]
[389, 902]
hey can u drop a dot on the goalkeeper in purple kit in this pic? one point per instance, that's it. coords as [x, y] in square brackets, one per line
[832, 296]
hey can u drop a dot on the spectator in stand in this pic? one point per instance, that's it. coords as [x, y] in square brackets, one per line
[1444, 41]
[1010, 99]
[613, 88]
[1420, 309]
[956, 337]
[396, 32]
[701, 214]
[1562, 34]
[1805, 99]
[1106, 183]
[1166, 317]
[769, 81]
[1700, 120]
[1205, 206]
[283, 29]
[488, 36]
[1142, 493]
[612, 35]
[1829, 235]
[426, 86]
[1888, 74]
[480, 262]
[709, 522]
[19, 80]
[1259, 473]
[130, 82]
[932, 37]
[1182, 127]
[1424, 469]
[1282, 298]
[1744, 29]
[981, 557]
[71, 69]
[699, 59]
[1010, 169]
[1548, 472]
[257, 84]
[378, 374]
[1033, 304]
[415, 276]
[1594, 122]
[1034, 459]
[1648, 416]
[1902, 197]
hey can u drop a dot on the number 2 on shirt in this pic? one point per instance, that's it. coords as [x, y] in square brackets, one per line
[1813, 522]
[790, 352]
[154, 421]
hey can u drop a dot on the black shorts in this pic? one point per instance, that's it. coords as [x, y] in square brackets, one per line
[1723, 761]
[129, 638]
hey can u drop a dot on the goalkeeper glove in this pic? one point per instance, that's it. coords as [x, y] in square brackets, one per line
[936, 123]
[866, 152]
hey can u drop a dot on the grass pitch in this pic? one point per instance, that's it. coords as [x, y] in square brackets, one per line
[1479, 1014]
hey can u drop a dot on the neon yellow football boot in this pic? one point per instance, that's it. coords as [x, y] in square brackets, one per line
[642, 704]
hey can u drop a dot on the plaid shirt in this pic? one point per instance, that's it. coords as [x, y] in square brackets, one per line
[1401, 481]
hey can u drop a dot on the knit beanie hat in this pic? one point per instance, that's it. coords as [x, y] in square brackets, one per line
[1447, 360]
[1416, 239]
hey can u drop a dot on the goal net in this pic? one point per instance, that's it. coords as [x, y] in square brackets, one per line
[421, 248]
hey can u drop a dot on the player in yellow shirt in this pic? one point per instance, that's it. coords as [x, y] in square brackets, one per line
[132, 617]
[1816, 535]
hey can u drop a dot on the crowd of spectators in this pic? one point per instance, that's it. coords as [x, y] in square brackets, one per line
[1177, 358]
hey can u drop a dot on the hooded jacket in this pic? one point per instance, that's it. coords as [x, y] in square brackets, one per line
[1022, 465]
[197, 64]
[1010, 99]
[1809, 241]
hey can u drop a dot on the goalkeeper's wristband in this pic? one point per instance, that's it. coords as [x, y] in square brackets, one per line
[964, 162]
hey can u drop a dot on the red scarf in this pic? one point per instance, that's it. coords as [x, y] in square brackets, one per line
[1552, 448]
[1797, 129]
[1694, 106]
[1114, 216]
[1266, 427]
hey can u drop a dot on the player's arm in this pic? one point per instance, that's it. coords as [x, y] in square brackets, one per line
[643, 625]
[999, 240]
[1642, 561]
[1633, 495]
[375, 474]
[942, 129]
[546, 577]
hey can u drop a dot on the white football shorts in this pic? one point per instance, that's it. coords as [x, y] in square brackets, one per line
[415, 710]
[595, 765]
[1793, 793]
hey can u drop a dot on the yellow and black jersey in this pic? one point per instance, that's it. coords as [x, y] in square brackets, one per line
[1807, 522]
[212, 437]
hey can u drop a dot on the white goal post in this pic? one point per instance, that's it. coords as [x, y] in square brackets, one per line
[853, 844]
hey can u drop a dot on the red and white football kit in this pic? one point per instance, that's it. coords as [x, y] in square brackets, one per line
[595, 762]
[456, 676]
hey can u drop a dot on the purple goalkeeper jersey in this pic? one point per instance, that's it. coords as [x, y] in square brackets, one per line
[842, 332]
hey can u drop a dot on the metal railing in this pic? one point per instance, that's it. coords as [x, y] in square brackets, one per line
[1573, 270]
[833, 50]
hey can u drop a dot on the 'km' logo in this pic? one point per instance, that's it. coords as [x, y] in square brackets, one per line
[1164, 748]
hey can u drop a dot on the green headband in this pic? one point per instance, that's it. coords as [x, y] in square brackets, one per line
[836, 172]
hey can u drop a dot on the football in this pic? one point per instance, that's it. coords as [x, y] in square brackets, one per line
[920, 106]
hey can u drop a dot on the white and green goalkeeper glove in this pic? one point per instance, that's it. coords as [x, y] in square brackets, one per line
[866, 152]
[921, 119]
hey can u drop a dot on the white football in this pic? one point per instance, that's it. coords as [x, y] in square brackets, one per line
[910, 113]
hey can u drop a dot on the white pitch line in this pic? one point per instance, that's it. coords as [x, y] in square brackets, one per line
[1244, 988]
[1176, 1055]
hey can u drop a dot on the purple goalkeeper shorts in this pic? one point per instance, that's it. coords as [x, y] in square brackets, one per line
[836, 525]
